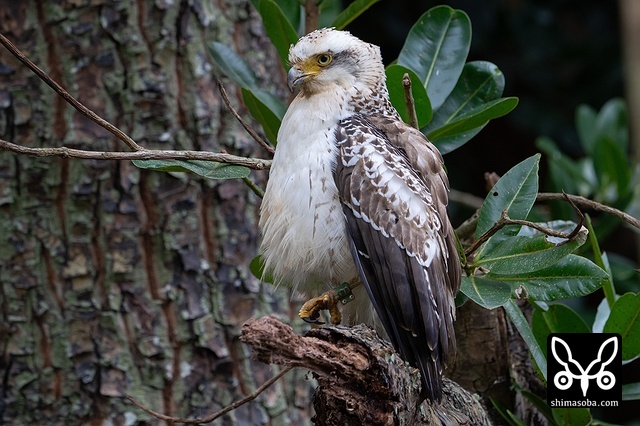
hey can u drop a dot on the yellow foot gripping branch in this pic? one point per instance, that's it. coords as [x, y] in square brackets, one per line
[310, 311]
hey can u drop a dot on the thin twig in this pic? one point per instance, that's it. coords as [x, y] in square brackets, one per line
[197, 420]
[143, 154]
[587, 203]
[246, 126]
[67, 96]
[252, 186]
[505, 220]
[408, 100]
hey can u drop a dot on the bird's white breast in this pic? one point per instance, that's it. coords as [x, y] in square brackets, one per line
[303, 228]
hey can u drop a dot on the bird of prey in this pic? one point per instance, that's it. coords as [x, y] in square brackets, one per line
[356, 195]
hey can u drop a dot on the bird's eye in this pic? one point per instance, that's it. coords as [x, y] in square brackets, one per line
[324, 59]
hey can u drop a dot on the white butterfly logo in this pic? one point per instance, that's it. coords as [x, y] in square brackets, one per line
[564, 379]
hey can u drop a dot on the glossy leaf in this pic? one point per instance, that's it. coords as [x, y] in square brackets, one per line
[485, 292]
[232, 65]
[611, 167]
[540, 404]
[515, 192]
[557, 319]
[280, 31]
[329, 12]
[270, 122]
[208, 169]
[474, 119]
[506, 414]
[625, 320]
[586, 127]
[436, 49]
[355, 9]
[256, 266]
[631, 391]
[291, 9]
[520, 322]
[612, 123]
[395, 74]
[567, 174]
[574, 416]
[602, 315]
[524, 254]
[446, 144]
[572, 276]
[479, 83]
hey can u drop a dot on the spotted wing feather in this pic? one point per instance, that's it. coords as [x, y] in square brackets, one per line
[401, 239]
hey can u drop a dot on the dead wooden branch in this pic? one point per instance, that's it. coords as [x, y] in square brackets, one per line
[361, 378]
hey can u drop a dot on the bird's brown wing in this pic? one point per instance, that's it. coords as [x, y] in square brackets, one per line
[401, 241]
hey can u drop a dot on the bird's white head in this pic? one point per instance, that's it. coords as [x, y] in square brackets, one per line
[326, 58]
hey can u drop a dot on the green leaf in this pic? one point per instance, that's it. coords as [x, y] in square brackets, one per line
[232, 65]
[517, 318]
[612, 169]
[612, 123]
[572, 416]
[557, 319]
[395, 74]
[625, 320]
[329, 11]
[485, 292]
[208, 169]
[291, 9]
[280, 31]
[266, 117]
[602, 261]
[446, 144]
[567, 175]
[355, 9]
[524, 254]
[602, 315]
[474, 119]
[506, 414]
[586, 126]
[572, 276]
[479, 83]
[540, 404]
[631, 391]
[436, 49]
[256, 266]
[515, 192]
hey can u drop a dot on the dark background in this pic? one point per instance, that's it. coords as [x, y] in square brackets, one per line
[555, 55]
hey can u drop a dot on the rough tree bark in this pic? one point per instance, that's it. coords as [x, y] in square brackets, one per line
[114, 280]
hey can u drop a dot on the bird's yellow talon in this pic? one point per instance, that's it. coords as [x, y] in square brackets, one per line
[310, 311]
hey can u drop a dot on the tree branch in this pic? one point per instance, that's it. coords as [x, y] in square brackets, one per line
[587, 203]
[361, 378]
[408, 100]
[244, 124]
[142, 154]
[506, 220]
[67, 96]
[311, 15]
[197, 420]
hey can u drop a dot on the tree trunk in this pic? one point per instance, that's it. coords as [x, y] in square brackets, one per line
[116, 280]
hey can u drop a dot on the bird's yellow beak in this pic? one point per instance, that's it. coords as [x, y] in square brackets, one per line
[300, 72]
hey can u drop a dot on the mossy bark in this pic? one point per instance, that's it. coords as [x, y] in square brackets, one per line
[116, 280]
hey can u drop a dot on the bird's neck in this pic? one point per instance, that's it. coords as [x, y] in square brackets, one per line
[369, 98]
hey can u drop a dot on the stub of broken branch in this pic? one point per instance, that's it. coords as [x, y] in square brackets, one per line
[361, 379]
